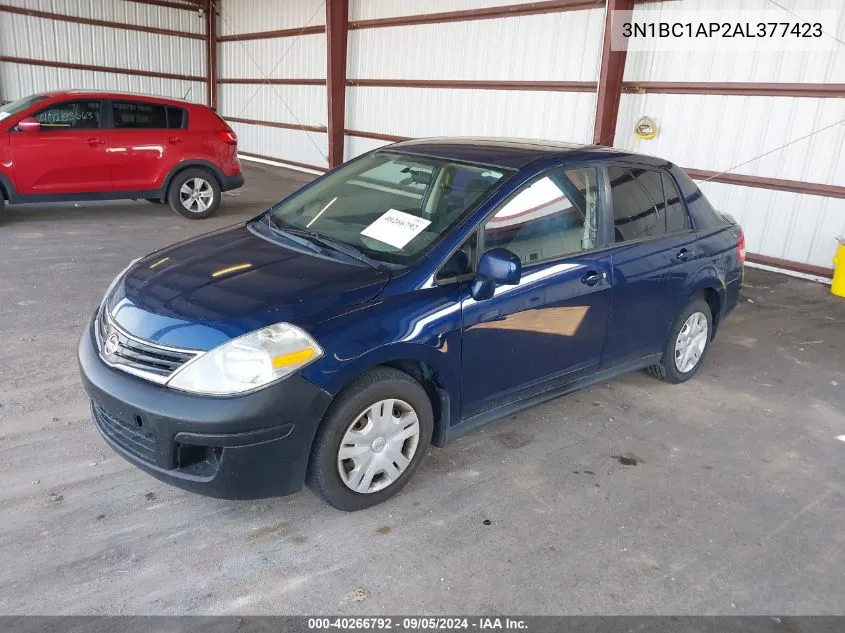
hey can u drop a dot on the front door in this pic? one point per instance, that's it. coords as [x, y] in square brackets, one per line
[548, 329]
[655, 252]
[68, 155]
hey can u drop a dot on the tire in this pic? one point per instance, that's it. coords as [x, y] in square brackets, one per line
[675, 367]
[155, 201]
[194, 180]
[2, 200]
[353, 419]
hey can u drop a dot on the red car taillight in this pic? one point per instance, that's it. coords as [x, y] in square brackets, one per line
[740, 248]
[228, 137]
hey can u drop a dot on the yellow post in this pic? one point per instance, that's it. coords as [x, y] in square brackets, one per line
[838, 285]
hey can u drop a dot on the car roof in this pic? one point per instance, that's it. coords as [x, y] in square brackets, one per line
[110, 94]
[514, 153]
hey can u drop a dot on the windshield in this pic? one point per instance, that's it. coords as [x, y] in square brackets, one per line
[19, 106]
[391, 207]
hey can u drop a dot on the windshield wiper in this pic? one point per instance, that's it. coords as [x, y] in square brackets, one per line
[343, 247]
[319, 243]
[289, 235]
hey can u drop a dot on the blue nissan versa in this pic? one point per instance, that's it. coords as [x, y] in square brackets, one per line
[408, 296]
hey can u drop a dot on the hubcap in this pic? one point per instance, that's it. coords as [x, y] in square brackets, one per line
[196, 195]
[692, 339]
[378, 446]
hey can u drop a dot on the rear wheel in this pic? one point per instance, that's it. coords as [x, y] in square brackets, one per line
[373, 438]
[194, 194]
[686, 345]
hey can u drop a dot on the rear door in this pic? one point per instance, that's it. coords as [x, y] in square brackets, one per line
[548, 329]
[68, 155]
[146, 140]
[653, 255]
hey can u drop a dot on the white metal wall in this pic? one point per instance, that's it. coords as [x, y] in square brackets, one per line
[548, 47]
[55, 40]
[718, 133]
[295, 57]
[374, 9]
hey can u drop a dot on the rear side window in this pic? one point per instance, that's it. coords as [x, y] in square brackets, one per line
[70, 115]
[677, 219]
[175, 118]
[150, 116]
[646, 204]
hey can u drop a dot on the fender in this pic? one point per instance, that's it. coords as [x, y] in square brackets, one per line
[8, 189]
[708, 277]
[417, 327]
[187, 164]
[5, 166]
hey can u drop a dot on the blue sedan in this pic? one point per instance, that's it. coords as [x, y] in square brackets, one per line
[407, 297]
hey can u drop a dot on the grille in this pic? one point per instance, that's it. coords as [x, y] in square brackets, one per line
[138, 441]
[135, 356]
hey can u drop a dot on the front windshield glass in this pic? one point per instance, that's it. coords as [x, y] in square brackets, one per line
[389, 206]
[19, 106]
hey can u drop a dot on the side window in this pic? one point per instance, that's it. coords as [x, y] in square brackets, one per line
[70, 115]
[553, 216]
[646, 204]
[677, 219]
[175, 118]
[461, 262]
[137, 115]
[637, 203]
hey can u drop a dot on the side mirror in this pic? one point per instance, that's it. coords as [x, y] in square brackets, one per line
[29, 124]
[497, 267]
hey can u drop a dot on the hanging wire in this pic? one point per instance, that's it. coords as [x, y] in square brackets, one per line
[772, 151]
[790, 12]
[792, 142]
[272, 70]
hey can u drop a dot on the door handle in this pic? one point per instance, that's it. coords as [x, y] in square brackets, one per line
[174, 139]
[96, 141]
[683, 255]
[593, 277]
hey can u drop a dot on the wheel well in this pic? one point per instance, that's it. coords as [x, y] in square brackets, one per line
[424, 374]
[712, 298]
[184, 168]
[3, 193]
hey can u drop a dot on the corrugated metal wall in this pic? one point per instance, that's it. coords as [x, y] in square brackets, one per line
[374, 9]
[39, 38]
[562, 47]
[292, 57]
[719, 132]
[703, 132]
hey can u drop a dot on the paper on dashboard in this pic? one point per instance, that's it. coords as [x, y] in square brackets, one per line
[396, 228]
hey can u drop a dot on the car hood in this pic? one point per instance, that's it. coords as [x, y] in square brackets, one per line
[208, 290]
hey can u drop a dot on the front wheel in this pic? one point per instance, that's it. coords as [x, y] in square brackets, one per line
[686, 345]
[194, 194]
[373, 438]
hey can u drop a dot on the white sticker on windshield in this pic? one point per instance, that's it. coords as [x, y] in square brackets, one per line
[3, 115]
[396, 228]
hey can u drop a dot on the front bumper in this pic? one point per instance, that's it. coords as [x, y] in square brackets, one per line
[244, 447]
[232, 182]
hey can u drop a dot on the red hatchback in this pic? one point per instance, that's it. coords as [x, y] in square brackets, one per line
[84, 145]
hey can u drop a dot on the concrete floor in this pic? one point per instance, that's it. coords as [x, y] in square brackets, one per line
[738, 508]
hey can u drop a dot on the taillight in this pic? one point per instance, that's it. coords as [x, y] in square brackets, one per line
[740, 248]
[228, 137]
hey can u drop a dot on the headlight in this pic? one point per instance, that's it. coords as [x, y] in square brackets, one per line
[117, 279]
[248, 362]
